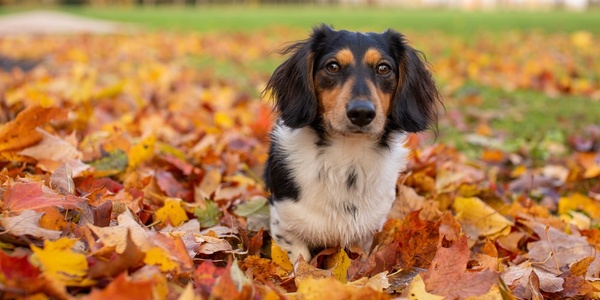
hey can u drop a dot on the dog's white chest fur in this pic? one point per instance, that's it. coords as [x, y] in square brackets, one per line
[346, 187]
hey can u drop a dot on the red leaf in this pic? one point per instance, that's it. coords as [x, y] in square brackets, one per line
[33, 195]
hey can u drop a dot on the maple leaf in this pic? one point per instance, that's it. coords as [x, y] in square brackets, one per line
[448, 274]
[519, 279]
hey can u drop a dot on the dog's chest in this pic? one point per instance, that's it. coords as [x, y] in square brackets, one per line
[346, 186]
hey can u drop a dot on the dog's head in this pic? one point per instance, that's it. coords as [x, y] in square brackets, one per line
[355, 83]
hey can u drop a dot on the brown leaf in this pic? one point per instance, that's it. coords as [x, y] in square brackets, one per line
[304, 271]
[111, 263]
[556, 251]
[525, 281]
[449, 277]
[575, 281]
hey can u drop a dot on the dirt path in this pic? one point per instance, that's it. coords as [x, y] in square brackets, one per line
[51, 22]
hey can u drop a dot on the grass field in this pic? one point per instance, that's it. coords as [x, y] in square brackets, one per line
[246, 18]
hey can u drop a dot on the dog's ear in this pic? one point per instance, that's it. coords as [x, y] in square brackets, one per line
[291, 85]
[414, 107]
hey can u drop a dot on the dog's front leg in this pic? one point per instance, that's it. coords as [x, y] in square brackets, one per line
[288, 240]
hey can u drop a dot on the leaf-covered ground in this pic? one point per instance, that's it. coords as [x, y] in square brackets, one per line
[130, 169]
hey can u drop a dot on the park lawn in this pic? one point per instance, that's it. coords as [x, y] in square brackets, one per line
[246, 18]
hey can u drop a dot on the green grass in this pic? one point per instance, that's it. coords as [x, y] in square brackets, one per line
[244, 18]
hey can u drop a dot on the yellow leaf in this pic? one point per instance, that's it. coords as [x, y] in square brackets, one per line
[141, 152]
[59, 262]
[223, 120]
[280, 257]
[331, 289]
[416, 290]
[579, 202]
[340, 262]
[161, 258]
[475, 213]
[172, 212]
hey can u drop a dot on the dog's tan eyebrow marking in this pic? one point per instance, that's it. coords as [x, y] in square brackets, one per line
[372, 57]
[345, 57]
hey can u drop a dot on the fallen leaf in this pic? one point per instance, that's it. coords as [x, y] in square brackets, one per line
[280, 257]
[172, 212]
[59, 262]
[448, 276]
[579, 202]
[416, 290]
[339, 263]
[208, 216]
[33, 195]
[474, 213]
[518, 280]
[28, 223]
[556, 251]
[141, 151]
[52, 148]
[21, 132]
[61, 180]
[331, 289]
[122, 288]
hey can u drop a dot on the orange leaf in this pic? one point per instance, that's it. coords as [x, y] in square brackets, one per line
[20, 132]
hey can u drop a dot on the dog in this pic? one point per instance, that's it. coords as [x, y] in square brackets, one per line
[346, 101]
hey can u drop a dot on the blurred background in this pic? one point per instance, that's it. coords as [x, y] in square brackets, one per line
[517, 76]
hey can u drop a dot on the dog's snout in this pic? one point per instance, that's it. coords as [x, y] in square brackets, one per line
[360, 112]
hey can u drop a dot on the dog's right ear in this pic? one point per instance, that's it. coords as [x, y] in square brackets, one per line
[291, 85]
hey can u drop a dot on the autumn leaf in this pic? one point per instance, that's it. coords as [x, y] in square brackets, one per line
[125, 288]
[484, 221]
[59, 262]
[330, 288]
[33, 195]
[447, 276]
[28, 223]
[280, 257]
[21, 132]
[556, 251]
[208, 216]
[172, 212]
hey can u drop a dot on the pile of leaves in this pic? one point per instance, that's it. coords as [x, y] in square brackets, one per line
[127, 173]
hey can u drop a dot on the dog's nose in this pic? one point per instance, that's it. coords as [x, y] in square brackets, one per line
[360, 112]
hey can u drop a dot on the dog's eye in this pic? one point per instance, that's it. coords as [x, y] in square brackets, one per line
[332, 67]
[384, 69]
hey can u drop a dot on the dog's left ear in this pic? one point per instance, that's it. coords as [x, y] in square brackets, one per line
[414, 107]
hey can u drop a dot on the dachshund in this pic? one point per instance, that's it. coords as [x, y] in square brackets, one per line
[345, 102]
